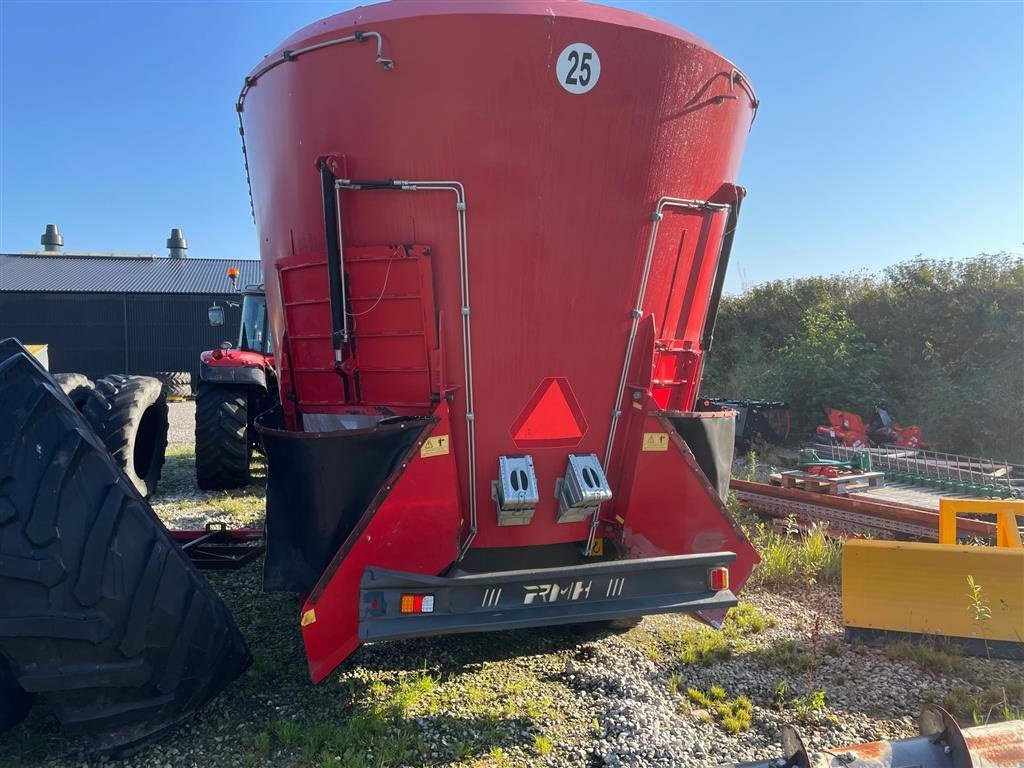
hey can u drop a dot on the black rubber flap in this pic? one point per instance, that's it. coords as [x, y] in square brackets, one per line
[710, 436]
[318, 486]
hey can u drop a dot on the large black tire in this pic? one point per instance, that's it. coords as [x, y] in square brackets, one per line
[129, 413]
[76, 386]
[14, 702]
[223, 446]
[101, 614]
[176, 383]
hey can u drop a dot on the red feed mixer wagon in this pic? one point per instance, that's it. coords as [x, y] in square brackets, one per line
[494, 237]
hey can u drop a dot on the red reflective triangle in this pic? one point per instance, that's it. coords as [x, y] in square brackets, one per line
[552, 418]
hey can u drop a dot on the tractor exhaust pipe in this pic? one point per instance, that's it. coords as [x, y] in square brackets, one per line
[941, 745]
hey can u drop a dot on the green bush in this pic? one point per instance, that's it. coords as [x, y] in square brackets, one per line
[939, 340]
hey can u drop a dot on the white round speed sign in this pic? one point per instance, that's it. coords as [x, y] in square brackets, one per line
[578, 68]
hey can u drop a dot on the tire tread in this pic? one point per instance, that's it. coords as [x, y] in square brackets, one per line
[109, 622]
[222, 440]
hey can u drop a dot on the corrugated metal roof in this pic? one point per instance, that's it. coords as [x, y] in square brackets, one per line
[122, 274]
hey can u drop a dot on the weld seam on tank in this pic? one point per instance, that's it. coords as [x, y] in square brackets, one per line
[467, 340]
[635, 315]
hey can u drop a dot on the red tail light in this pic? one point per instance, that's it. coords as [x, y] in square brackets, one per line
[718, 579]
[417, 604]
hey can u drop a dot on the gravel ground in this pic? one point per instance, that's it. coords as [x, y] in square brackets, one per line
[181, 423]
[562, 697]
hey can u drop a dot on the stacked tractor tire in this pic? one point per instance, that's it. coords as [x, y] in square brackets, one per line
[101, 614]
[129, 414]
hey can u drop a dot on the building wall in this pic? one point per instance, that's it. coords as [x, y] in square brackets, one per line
[100, 333]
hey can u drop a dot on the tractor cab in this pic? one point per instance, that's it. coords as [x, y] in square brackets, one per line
[253, 335]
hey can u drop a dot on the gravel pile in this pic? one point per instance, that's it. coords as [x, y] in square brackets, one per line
[639, 719]
[648, 721]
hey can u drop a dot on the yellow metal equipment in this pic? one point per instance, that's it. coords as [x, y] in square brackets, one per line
[922, 588]
[41, 352]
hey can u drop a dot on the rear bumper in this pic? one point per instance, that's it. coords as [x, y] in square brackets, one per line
[539, 597]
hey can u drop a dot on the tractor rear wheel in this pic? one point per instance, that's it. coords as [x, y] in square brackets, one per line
[77, 387]
[223, 446]
[14, 702]
[101, 614]
[129, 413]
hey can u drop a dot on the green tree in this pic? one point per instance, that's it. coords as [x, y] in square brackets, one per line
[941, 340]
[828, 364]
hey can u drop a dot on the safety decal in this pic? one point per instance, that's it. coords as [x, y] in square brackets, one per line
[655, 441]
[551, 418]
[435, 446]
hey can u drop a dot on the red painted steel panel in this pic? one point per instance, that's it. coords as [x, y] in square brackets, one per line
[391, 306]
[412, 525]
[560, 190]
[669, 507]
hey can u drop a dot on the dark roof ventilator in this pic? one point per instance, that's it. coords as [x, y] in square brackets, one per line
[176, 244]
[52, 240]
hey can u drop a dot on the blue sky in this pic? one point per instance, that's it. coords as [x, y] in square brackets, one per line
[886, 129]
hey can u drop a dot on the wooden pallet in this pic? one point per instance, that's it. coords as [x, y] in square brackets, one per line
[834, 486]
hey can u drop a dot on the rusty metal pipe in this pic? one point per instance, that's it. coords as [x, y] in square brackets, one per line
[941, 744]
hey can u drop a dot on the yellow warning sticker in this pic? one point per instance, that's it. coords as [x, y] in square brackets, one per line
[655, 441]
[638, 406]
[308, 618]
[435, 446]
[597, 549]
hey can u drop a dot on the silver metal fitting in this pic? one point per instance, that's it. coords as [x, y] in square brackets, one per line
[583, 489]
[515, 492]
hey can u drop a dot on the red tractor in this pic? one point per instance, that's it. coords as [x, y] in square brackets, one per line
[236, 384]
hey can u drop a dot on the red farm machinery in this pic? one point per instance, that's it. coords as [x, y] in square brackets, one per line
[491, 290]
[237, 382]
[494, 237]
[848, 429]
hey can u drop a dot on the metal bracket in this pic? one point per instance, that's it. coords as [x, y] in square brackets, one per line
[515, 491]
[583, 489]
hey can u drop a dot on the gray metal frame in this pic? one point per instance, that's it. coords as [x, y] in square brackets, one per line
[539, 597]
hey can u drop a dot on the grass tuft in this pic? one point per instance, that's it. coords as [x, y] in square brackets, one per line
[745, 620]
[997, 702]
[934, 656]
[543, 745]
[702, 646]
[798, 558]
[732, 714]
[786, 654]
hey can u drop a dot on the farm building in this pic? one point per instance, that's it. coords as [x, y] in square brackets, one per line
[119, 313]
